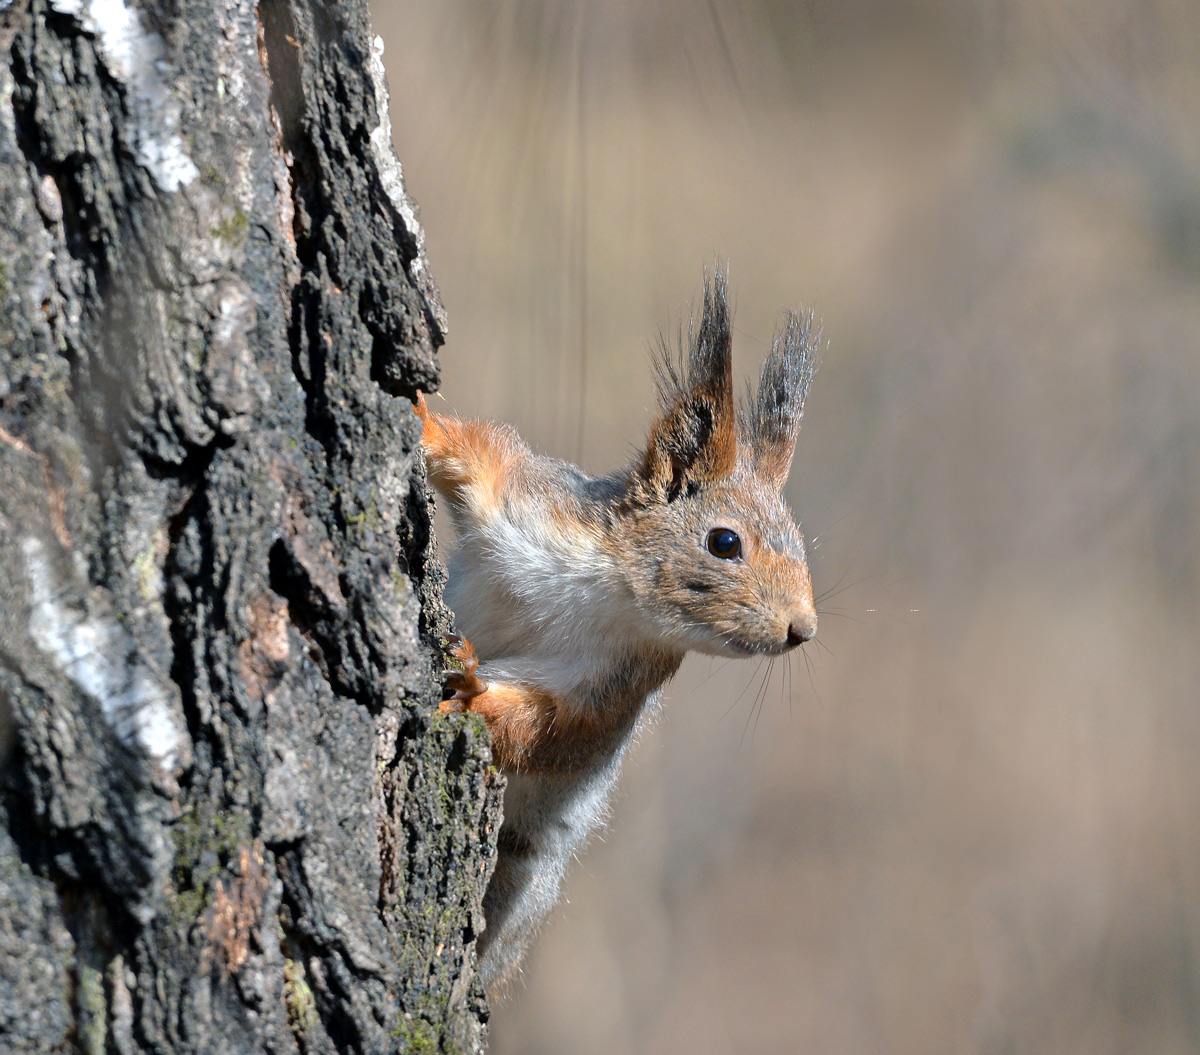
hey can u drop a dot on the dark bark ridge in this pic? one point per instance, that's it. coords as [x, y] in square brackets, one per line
[230, 816]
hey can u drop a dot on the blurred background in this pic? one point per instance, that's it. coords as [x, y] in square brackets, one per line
[967, 818]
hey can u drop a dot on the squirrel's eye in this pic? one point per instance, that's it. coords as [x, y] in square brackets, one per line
[724, 543]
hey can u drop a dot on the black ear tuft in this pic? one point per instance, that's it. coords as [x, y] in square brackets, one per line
[779, 404]
[703, 363]
[711, 353]
[694, 441]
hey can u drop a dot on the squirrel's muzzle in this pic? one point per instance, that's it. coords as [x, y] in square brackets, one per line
[803, 627]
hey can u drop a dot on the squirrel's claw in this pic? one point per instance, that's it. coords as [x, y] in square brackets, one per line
[465, 683]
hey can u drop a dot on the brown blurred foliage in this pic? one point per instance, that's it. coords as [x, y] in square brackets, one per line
[969, 820]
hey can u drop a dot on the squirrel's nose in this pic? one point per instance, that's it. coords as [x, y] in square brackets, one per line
[802, 628]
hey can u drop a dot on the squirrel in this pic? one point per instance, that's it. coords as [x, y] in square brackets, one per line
[578, 597]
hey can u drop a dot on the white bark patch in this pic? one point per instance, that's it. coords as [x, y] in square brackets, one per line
[391, 175]
[137, 59]
[100, 658]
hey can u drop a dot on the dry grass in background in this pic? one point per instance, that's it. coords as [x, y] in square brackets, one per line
[970, 821]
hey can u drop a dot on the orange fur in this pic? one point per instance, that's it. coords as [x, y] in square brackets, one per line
[468, 461]
[534, 731]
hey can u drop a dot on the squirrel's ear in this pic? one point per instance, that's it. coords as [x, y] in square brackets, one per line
[779, 404]
[694, 440]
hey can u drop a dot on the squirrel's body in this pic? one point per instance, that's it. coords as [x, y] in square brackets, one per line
[551, 615]
[580, 596]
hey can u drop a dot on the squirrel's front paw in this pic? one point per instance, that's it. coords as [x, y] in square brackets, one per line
[465, 683]
[421, 408]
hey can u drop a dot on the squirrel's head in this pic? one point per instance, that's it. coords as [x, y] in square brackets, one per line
[715, 559]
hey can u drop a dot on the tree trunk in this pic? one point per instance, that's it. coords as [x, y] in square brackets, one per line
[230, 816]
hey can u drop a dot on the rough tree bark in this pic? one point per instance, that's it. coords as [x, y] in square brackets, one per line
[230, 817]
